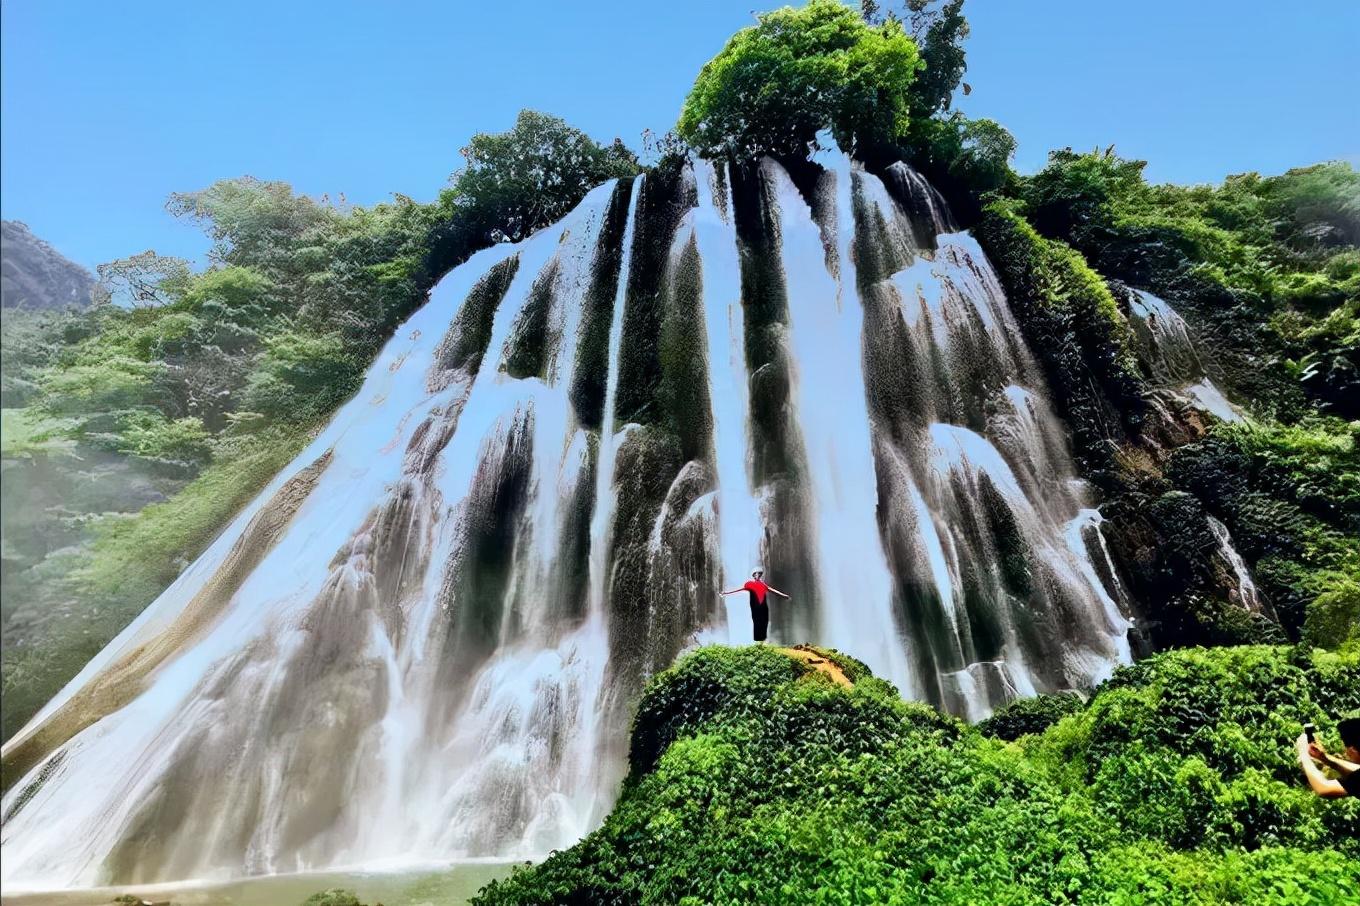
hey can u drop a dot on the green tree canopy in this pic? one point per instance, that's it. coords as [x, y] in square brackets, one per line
[518, 181]
[252, 221]
[776, 85]
[939, 29]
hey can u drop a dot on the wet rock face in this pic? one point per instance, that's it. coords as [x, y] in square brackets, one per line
[534, 501]
[460, 351]
[1190, 584]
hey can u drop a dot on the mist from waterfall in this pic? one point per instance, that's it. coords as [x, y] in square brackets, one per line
[422, 641]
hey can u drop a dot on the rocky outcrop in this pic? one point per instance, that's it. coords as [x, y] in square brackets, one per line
[35, 275]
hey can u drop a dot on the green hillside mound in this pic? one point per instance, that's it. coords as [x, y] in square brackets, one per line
[757, 778]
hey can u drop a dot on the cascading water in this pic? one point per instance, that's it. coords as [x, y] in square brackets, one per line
[739, 527]
[978, 493]
[1169, 351]
[422, 640]
[1246, 595]
[826, 335]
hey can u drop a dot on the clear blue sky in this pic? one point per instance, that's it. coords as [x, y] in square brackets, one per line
[109, 107]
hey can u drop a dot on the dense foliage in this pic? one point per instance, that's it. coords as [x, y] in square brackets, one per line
[204, 385]
[1031, 715]
[1271, 265]
[776, 85]
[1267, 272]
[517, 181]
[1291, 497]
[755, 779]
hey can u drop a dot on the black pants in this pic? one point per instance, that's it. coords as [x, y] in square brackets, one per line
[760, 618]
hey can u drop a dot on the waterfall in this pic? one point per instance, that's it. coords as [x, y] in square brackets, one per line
[1247, 596]
[739, 529]
[609, 448]
[981, 489]
[923, 203]
[422, 640]
[826, 332]
[1169, 351]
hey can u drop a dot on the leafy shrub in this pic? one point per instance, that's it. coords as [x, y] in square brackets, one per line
[1333, 617]
[30, 340]
[700, 687]
[1175, 784]
[302, 375]
[966, 159]
[336, 896]
[182, 441]
[1147, 872]
[99, 388]
[1153, 794]
[1290, 495]
[775, 86]
[1267, 265]
[1030, 715]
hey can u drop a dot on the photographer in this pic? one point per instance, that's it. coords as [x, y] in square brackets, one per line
[1347, 769]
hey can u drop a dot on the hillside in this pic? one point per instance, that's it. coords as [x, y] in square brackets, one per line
[34, 275]
[756, 779]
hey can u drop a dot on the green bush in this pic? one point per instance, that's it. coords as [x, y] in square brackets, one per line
[1030, 715]
[775, 86]
[755, 779]
[336, 896]
[965, 158]
[101, 386]
[517, 181]
[233, 287]
[30, 340]
[701, 687]
[150, 435]
[1148, 873]
[1290, 495]
[302, 376]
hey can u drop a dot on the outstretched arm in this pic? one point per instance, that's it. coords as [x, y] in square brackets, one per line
[1321, 784]
[776, 591]
[732, 592]
[1340, 765]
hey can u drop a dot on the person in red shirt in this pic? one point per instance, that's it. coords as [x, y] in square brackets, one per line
[760, 608]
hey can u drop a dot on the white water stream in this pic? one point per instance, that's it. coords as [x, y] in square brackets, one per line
[1171, 351]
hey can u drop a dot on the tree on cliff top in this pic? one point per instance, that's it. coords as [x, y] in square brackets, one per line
[939, 29]
[776, 85]
[517, 181]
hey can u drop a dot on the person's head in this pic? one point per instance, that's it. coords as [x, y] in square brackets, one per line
[1349, 728]
[758, 574]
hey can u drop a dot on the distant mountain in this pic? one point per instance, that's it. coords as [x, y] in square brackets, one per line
[35, 275]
